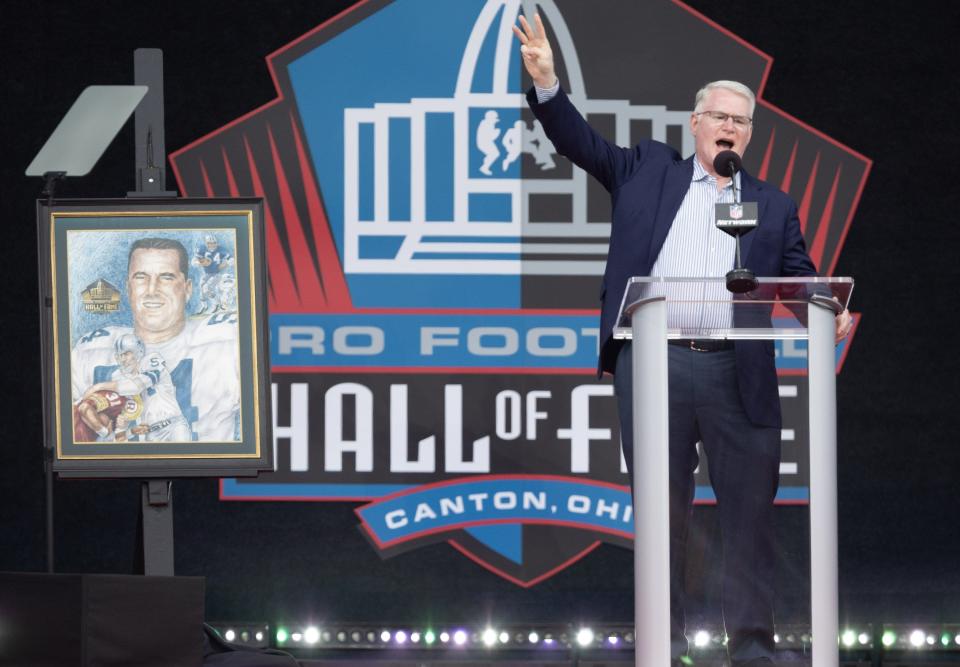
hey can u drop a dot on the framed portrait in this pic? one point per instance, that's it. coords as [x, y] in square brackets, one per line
[153, 323]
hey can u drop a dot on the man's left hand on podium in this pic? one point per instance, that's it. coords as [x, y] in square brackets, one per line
[844, 324]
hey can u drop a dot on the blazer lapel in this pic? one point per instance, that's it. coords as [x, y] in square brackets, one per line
[675, 186]
[751, 190]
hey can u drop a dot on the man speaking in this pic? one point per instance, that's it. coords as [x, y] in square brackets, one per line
[721, 394]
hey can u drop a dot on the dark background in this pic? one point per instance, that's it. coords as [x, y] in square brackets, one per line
[878, 77]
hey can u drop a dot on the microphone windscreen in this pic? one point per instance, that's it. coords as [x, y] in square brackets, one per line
[727, 163]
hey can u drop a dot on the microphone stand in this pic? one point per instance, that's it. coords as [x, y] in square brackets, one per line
[739, 279]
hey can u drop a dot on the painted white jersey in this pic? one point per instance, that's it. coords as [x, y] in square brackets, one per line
[153, 383]
[203, 363]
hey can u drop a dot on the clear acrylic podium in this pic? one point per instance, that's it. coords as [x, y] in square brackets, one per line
[657, 309]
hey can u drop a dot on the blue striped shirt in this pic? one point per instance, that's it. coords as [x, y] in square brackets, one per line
[696, 248]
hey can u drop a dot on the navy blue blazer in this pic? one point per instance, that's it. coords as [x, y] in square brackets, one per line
[647, 184]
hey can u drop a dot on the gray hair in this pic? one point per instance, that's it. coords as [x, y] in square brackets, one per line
[733, 86]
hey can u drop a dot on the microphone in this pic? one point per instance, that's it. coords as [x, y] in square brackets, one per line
[727, 163]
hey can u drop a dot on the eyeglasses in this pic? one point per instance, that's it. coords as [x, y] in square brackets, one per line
[719, 118]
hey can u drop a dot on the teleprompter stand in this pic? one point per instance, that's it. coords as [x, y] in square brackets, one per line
[156, 495]
[648, 316]
[75, 146]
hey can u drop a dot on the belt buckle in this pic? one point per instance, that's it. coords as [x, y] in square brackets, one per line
[695, 346]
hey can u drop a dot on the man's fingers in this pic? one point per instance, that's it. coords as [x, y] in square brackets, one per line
[530, 52]
[844, 324]
[527, 28]
[533, 32]
[541, 31]
[523, 38]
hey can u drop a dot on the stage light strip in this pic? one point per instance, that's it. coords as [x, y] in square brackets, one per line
[607, 637]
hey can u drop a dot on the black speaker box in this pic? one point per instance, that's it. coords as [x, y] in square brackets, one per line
[100, 620]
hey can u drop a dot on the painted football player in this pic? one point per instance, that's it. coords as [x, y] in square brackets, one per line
[200, 355]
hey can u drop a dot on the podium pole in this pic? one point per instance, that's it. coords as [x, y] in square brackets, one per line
[823, 487]
[651, 484]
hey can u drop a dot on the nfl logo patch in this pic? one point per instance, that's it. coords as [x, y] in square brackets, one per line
[736, 211]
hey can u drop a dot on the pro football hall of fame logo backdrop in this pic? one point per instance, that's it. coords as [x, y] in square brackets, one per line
[434, 265]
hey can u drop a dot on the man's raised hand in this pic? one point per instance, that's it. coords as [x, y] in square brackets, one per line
[536, 52]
